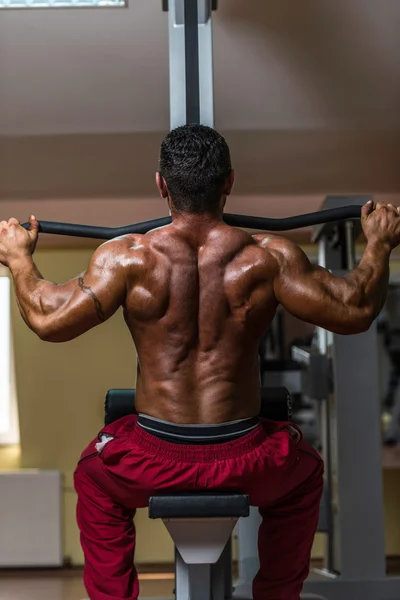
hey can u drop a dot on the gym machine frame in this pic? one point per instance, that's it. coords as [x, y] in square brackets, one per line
[342, 374]
[353, 439]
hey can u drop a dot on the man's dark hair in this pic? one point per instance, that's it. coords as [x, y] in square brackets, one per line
[195, 162]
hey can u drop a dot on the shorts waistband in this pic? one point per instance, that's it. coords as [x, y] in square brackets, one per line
[197, 434]
[199, 453]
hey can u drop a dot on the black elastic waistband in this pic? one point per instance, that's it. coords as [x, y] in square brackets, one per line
[197, 434]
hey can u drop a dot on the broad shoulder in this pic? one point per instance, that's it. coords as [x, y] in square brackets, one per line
[116, 252]
[279, 247]
[120, 244]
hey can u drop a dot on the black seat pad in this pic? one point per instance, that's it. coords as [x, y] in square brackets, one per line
[192, 506]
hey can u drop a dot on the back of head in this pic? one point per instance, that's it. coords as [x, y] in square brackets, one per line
[195, 163]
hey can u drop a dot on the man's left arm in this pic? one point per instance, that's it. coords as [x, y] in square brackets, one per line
[59, 313]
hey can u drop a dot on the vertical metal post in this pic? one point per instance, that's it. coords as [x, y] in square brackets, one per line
[182, 589]
[249, 563]
[177, 72]
[359, 457]
[192, 76]
[200, 582]
[221, 575]
[324, 417]
[206, 67]
[190, 62]
[193, 582]
[226, 559]
[350, 245]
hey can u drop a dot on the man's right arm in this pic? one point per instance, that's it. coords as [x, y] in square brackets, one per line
[344, 305]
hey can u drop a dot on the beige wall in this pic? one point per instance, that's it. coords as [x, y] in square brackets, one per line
[61, 391]
[281, 65]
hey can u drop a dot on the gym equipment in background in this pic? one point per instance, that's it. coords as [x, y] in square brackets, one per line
[341, 373]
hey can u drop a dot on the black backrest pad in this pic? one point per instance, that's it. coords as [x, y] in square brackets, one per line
[275, 404]
[119, 403]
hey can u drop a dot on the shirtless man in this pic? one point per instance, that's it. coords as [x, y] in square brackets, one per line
[197, 297]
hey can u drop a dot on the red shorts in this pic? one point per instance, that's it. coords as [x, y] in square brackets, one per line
[280, 472]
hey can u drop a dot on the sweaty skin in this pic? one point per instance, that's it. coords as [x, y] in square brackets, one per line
[197, 296]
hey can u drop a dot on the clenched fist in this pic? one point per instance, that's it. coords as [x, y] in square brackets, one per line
[381, 223]
[17, 242]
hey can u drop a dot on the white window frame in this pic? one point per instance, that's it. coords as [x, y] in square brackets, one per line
[51, 4]
[9, 423]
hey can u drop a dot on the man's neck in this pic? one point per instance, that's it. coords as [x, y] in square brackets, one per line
[200, 222]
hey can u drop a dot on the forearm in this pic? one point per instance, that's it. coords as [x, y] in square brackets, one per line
[369, 281]
[36, 297]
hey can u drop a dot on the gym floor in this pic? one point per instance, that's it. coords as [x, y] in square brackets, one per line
[67, 585]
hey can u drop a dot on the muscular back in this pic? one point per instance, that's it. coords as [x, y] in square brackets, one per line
[198, 295]
[197, 306]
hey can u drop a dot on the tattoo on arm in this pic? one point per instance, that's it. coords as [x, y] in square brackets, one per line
[88, 290]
